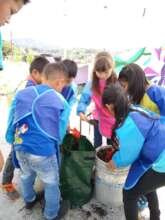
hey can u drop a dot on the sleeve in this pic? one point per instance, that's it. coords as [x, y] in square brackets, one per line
[64, 120]
[157, 94]
[73, 98]
[85, 99]
[131, 142]
[10, 131]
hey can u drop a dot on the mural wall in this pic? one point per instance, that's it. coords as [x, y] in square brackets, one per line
[151, 60]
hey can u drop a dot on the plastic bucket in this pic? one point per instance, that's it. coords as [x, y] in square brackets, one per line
[108, 184]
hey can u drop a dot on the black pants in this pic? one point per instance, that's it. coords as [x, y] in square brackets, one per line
[147, 186]
[98, 137]
[8, 172]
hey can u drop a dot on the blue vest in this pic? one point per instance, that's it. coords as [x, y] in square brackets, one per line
[151, 141]
[46, 108]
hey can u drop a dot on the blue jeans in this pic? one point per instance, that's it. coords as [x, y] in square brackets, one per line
[46, 168]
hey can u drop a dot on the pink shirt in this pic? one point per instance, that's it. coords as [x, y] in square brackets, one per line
[106, 120]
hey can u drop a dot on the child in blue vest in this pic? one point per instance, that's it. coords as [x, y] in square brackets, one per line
[69, 92]
[34, 78]
[40, 118]
[142, 92]
[141, 146]
[35, 70]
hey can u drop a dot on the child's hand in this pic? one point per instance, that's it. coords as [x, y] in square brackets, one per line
[83, 117]
[111, 165]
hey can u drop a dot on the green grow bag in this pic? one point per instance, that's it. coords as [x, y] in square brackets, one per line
[78, 157]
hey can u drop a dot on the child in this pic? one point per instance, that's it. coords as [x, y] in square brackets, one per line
[36, 69]
[141, 145]
[8, 8]
[140, 91]
[69, 92]
[103, 74]
[40, 118]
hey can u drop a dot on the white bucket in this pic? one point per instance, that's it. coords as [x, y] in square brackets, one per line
[108, 184]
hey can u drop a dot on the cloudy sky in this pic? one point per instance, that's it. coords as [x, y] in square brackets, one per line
[113, 24]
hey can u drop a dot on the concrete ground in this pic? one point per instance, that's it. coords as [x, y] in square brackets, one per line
[14, 210]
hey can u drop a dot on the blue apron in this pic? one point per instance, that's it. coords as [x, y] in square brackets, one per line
[44, 104]
[152, 141]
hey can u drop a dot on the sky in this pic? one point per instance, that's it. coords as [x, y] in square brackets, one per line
[111, 24]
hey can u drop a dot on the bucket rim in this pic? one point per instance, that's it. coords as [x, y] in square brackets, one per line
[104, 164]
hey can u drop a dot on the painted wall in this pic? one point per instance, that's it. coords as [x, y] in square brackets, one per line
[151, 60]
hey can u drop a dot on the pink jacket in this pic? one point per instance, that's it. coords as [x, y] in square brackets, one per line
[106, 120]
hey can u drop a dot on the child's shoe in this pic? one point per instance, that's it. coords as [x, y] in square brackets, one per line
[39, 198]
[142, 203]
[11, 191]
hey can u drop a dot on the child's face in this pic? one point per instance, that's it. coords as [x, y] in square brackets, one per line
[124, 84]
[59, 84]
[37, 76]
[104, 75]
[7, 9]
[62, 83]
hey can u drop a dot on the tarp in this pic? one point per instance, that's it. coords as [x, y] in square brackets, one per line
[109, 24]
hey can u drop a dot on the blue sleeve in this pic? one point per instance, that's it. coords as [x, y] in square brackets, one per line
[85, 99]
[64, 120]
[10, 131]
[73, 98]
[130, 143]
[157, 95]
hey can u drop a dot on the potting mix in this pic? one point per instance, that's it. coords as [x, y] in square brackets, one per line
[106, 154]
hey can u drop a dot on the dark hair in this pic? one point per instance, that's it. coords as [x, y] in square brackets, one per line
[137, 82]
[71, 66]
[115, 94]
[55, 70]
[38, 63]
[26, 1]
[103, 62]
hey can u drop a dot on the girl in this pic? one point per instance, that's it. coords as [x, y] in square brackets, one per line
[103, 74]
[141, 92]
[142, 145]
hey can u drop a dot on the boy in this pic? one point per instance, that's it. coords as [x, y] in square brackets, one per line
[40, 118]
[7, 9]
[69, 92]
[36, 69]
